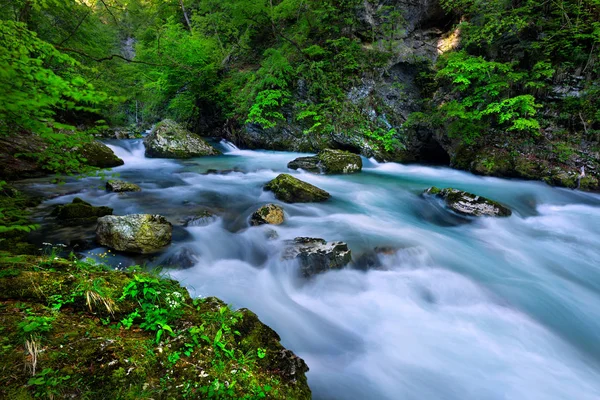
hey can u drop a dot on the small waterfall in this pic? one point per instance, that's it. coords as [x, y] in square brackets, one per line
[229, 147]
[130, 151]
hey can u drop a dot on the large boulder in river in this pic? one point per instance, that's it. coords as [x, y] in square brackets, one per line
[168, 139]
[466, 203]
[136, 233]
[118, 186]
[316, 255]
[79, 212]
[268, 214]
[329, 162]
[293, 190]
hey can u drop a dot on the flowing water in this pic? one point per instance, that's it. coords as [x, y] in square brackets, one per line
[455, 308]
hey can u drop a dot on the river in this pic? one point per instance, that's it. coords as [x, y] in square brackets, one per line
[457, 309]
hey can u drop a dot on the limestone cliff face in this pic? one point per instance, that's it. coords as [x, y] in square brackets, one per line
[385, 96]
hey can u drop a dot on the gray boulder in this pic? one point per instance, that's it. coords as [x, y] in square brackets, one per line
[170, 140]
[268, 214]
[466, 203]
[136, 233]
[329, 162]
[115, 185]
[316, 255]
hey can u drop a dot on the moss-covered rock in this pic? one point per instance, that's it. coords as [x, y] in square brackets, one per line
[340, 162]
[97, 154]
[70, 329]
[79, 212]
[118, 186]
[293, 190]
[268, 214]
[170, 140]
[329, 162]
[469, 204]
[136, 233]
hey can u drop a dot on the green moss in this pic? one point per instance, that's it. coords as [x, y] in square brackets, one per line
[99, 155]
[340, 162]
[89, 349]
[115, 185]
[293, 190]
[80, 212]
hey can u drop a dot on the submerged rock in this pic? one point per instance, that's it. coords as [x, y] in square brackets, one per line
[79, 212]
[115, 185]
[136, 233]
[469, 204]
[329, 162]
[202, 219]
[293, 190]
[316, 255]
[271, 214]
[373, 259]
[183, 258]
[170, 140]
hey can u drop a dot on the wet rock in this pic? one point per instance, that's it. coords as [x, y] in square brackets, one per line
[222, 171]
[309, 164]
[271, 234]
[293, 190]
[115, 185]
[372, 259]
[183, 258]
[271, 214]
[316, 255]
[99, 155]
[469, 204]
[329, 162]
[136, 233]
[170, 140]
[202, 219]
[79, 212]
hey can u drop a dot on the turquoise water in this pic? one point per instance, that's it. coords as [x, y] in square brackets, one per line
[462, 309]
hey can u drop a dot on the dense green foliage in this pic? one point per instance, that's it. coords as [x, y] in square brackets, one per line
[517, 58]
[519, 69]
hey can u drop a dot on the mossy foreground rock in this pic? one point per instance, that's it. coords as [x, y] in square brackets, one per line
[136, 233]
[293, 190]
[329, 162]
[117, 186]
[79, 212]
[74, 330]
[469, 204]
[316, 255]
[170, 140]
[269, 214]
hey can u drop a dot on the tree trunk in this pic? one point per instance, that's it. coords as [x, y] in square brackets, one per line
[187, 20]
